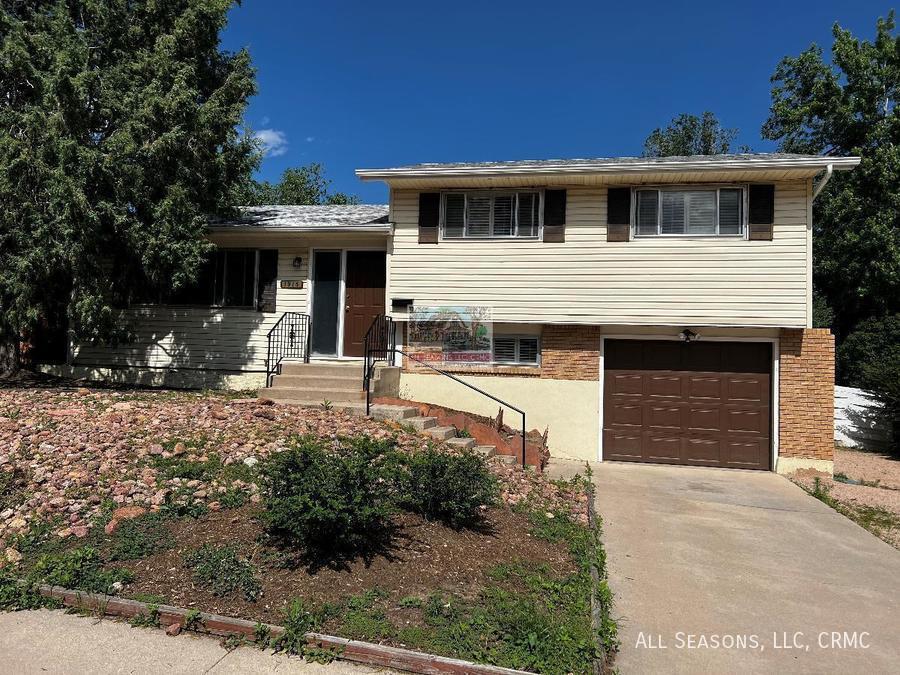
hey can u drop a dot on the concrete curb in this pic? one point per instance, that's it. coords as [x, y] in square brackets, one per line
[214, 624]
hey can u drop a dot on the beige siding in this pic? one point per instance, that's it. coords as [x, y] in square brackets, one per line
[589, 280]
[183, 337]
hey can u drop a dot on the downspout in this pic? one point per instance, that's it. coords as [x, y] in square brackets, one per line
[829, 170]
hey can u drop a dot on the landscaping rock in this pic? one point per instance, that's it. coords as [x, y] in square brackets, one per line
[173, 629]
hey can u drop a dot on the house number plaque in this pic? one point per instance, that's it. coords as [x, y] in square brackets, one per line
[292, 284]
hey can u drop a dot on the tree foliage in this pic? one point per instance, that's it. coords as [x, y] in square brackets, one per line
[848, 107]
[298, 185]
[119, 138]
[690, 135]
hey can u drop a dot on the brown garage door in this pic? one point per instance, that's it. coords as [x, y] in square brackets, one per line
[701, 403]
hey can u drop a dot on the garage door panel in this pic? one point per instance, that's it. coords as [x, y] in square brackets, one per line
[704, 387]
[663, 386]
[704, 419]
[699, 404]
[663, 417]
[754, 389]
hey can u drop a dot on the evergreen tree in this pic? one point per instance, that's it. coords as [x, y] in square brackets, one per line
[118, 138]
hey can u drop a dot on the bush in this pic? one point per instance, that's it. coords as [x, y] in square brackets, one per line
[79, 569]
[446, 487]
[326, 501]
[870, 359]
[219, 569]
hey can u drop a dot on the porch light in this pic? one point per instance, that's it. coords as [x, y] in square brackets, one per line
[298, 262]
[687, 335]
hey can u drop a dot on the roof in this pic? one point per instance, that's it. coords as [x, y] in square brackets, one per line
[325, 218]
[614, 165]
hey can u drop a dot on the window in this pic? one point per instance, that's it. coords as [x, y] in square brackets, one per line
[487, 214]
[234, 278]
[700, 211]
[518, 350]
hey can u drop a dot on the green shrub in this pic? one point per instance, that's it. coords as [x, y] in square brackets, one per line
[326, 501]
[446, 487]
[223, 572]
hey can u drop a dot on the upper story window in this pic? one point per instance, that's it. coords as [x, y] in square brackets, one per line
[480, 215]
[694, 211]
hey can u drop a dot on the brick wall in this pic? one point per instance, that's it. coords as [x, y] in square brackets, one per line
[570, 352]
[806, 403]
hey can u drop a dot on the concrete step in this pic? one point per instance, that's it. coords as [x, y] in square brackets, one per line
[319, 381]
[397, 413]
[441, 433]
[462, 443]
[506, 459]
[421, 423]
[305, 394]
[352, 368]
[485, 450]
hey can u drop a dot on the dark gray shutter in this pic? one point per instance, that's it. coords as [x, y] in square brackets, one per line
[267, 280]
[429, 217]
[762, 212]
[554, 216]
[618, 214]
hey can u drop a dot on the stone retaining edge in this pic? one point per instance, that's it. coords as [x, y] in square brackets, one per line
[214, 624]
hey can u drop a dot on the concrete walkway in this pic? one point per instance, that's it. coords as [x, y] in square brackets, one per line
[56, 643]
[697, 553]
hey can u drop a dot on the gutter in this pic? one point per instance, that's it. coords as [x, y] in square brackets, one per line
[307, 229]
[829, 172]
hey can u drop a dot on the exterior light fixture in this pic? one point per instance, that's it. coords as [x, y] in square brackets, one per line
[298, 262]
[687, 335]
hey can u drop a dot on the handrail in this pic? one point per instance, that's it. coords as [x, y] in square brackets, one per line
[393, 350]
[287, 339]
[377, 345]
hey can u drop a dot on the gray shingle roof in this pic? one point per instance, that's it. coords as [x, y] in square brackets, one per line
[675, 159]
[309, 217]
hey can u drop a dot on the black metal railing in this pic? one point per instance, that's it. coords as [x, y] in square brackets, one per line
[382, 347]
[378, 345]
[288, 339]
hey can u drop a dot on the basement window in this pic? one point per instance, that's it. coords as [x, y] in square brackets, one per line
[519, 350]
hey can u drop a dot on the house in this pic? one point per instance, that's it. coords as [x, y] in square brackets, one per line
[644, 309]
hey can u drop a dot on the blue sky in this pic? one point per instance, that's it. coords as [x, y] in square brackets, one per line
[371, 84]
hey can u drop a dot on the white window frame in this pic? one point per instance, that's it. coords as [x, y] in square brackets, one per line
[518, 361]
[492, 194]
[659, 189]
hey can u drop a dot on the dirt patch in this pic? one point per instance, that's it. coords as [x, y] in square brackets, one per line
[871, 467]
[423, 558]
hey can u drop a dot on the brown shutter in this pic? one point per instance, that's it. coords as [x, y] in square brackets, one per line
[429, 217]
[762, 212]
[554, 216]
[267, 280]
[618, 214]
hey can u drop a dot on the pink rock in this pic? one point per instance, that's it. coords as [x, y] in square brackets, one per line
[173, 629]
[214, 506]
[80, 531]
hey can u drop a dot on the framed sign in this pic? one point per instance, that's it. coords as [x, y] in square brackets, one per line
[292, 284]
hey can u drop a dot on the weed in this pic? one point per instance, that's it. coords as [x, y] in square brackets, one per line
[38, 540]
[262, 635]
[223, 572]
[463, 433]
[79, 569]
[410, 602]
[233, 498]
[149, 598]
[407, 427]
[148, 619]
[180, 504]
[327, 405]
[233, 641]
[16, 595]
[139, 537]
[298, 621]
[193, 620]
[186, 468]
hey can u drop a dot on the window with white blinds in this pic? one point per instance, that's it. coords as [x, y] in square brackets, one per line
[479, 215]
[516, 349]
[681, 211]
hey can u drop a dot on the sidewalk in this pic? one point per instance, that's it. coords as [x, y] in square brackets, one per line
[52, 642]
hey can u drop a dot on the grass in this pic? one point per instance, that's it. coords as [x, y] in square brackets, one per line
[875, 519]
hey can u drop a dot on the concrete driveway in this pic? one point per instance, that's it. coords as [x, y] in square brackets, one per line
[698, 555]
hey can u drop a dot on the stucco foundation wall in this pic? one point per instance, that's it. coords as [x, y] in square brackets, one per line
[570, 408]
[806, 399]
[161, 377]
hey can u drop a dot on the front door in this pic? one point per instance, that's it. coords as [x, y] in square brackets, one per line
[364, 297]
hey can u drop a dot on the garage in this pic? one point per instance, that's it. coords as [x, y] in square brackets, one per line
[696, 403]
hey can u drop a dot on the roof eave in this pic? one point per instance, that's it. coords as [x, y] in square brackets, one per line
[608, 168]
[380, 228]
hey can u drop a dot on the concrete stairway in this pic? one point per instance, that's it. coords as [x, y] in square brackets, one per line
[330, 383]
[449, 436]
